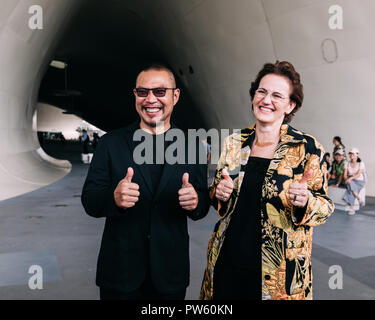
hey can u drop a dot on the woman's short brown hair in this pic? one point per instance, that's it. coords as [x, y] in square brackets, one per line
[286, 69]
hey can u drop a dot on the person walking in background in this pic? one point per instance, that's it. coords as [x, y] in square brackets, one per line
[85, 140]
[95, 140]
[207, 144]
[208, 147]
[270, 190]
[354, 176]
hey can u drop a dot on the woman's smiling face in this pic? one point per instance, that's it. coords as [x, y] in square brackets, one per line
[271, 101]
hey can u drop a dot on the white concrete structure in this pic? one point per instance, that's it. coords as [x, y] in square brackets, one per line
[25, 55]
[226, 43]
[53, 119]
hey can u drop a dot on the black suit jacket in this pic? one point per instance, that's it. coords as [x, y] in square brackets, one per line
[130, 243]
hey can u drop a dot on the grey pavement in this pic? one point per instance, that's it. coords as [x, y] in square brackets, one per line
[49, 228]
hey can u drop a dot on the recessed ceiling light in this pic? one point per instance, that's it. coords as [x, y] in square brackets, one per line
[58, 64]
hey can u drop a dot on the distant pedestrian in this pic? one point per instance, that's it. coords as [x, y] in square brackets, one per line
[85, 140]
[207, 144]
[95, 140]
[354, 176]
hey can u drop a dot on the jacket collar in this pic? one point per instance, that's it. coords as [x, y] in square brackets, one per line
[288, 136]
[291, 136]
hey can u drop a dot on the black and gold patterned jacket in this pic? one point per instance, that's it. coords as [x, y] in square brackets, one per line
[286, 235]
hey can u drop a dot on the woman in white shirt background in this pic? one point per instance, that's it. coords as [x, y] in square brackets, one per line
[354, 176]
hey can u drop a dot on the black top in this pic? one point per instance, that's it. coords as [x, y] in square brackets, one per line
[237, 272]
[155, 167]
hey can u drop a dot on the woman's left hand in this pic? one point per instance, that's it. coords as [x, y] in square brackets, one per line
[298, 192]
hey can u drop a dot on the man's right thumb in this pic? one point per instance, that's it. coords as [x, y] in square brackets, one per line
[129, 174]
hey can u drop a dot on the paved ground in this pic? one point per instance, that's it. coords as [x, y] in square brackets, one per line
[48, 228]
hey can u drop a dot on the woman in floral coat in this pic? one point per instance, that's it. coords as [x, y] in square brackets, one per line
[270, 190]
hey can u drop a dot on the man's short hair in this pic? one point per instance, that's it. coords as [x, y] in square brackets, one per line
[158, 67]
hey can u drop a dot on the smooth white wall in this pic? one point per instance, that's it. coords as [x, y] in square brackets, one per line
[25, 55]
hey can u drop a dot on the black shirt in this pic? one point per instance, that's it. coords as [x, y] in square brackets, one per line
[237, 273]
[155, 168]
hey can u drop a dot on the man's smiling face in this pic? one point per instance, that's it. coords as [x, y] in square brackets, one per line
[153, 109]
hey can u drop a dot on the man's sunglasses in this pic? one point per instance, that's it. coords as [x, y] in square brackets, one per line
[157, 92]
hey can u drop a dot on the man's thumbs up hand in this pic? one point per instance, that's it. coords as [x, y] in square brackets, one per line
[126, 193]
[298, 192]
[185, 180]
[129, 175]
[187, 195]
[225, 188]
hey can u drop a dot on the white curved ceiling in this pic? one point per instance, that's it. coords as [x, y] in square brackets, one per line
[225, 43]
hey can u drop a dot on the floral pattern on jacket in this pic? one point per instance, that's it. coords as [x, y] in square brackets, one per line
[286, 231]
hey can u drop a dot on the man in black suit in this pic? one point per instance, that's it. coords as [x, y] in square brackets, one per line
[145, 246]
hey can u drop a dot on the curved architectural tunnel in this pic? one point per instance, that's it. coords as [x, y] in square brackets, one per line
[215, 48]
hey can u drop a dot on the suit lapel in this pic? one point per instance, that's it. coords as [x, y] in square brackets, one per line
[288, 137]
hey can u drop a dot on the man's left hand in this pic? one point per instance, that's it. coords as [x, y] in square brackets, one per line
[187, 195]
